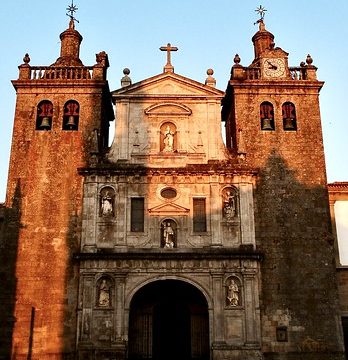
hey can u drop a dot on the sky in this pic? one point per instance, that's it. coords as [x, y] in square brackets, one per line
[208, 35]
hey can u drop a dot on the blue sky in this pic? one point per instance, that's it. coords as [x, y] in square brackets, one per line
[208, 35]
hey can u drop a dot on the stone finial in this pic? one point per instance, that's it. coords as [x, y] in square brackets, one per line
[237, 71]
[236, 60]
[126, 80]
[310, 69]
[309, 60]
[210, 81]
[26, 59]
[24, 69]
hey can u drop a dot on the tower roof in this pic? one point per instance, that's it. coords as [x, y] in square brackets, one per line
[263, 40]
[70, 47]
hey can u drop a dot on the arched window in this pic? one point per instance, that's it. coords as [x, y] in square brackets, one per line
[168, 140]
[289, 116]
[44, 115]
[71, 115]
[267, 116]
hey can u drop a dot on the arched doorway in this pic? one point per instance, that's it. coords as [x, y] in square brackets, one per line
[168, 320]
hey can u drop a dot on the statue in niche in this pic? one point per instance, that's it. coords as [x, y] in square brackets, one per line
[229, 204]
[168, 140]
[104, 294]
[168, 235]
[107, 204]
[232, 293]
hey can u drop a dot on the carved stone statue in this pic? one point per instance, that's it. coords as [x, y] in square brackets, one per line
[104, 294]
[232, 293]
[168, 140]
[107, 205]
[229, 205]
[168, 235]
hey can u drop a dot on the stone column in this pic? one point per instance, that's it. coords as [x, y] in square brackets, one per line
[90, 207]
[122, 136]
[252, 322]
[247, 213]
[218, 318]
[213, 133]
[122, 225]
[119, 307]
[215, 211]
[86, 302]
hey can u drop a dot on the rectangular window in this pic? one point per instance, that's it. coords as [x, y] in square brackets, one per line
[199, 215]
[137, 214]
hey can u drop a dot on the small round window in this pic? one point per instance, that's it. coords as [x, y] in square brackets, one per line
[168, 193]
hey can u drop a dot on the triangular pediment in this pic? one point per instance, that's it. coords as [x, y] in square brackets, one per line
[166, 85]
[168, 208]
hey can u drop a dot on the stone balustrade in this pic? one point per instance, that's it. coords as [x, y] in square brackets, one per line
[38, 73]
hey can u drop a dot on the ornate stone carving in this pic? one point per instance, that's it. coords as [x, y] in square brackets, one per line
[168, 135]
[229, 205]
[232, 292]
[104, 293]
[107, 202]
[168, 232]
[168, 140]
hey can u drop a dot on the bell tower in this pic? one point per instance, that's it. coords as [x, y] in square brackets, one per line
[272, 116]
[61, 122]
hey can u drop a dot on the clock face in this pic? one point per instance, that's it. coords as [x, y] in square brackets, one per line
[274, 68]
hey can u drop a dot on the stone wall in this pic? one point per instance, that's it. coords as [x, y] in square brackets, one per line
[299, 292]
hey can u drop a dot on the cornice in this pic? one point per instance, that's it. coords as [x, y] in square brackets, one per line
[244, 252]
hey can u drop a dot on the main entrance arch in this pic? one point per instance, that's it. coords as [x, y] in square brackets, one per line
[168, 320]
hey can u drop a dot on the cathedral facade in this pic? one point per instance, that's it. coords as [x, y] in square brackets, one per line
[169, 244]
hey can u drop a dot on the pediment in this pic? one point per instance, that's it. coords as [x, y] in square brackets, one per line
[168, 108]
[166, 85]
[276, 52]
[168, 208]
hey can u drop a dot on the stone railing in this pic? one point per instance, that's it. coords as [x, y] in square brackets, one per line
[307, 72]
[39, 73]
[252, 73]
[59, 73]
[298, 73]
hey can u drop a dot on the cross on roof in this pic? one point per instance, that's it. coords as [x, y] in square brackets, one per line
[168, 67]
[71, 10]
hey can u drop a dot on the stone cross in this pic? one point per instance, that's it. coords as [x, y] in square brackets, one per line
[168, 67]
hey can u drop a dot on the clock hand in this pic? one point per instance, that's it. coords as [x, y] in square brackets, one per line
[271, 66]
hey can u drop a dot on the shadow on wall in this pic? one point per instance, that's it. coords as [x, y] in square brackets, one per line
[293, 230]
[9, 231]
